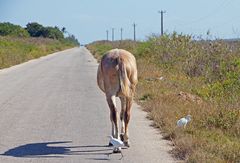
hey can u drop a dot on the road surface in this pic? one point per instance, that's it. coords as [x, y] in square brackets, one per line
[51, 110]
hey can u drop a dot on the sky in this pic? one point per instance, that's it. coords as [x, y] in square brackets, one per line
[89, 20]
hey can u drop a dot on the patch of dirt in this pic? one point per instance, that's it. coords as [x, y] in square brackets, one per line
[189, 97]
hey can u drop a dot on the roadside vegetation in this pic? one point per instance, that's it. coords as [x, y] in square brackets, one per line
[179, 76]
[18, 44]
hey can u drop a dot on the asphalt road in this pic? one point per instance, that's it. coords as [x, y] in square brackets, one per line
[51, 110]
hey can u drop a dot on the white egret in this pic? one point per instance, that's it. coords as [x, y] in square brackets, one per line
[117, 144]
[161, 78]
[184, 121]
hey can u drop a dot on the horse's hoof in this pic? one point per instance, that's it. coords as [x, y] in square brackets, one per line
[110, 144]
[127, 144]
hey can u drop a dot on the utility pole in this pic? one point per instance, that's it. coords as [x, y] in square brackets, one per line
[161, 12]
[121, 33]
[112, 34]
[134, 31]
[107, 34]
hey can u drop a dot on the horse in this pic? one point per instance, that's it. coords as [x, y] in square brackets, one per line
[117, 77]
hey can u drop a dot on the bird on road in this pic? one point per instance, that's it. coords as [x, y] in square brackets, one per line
[117, 144]
[184, 121]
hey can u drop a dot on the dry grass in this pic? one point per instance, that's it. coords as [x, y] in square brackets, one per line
[178, 76]
[212, 130]
[17, 50]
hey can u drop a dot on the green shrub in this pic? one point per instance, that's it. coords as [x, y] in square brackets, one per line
[53, 33]
[35, 29]
[38, 30]
[8, 29]
[71, 39]
[223, 119]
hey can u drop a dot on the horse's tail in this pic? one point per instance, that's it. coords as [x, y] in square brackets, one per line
[123, 79]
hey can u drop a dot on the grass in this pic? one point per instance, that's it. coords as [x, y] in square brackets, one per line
[180, 76]
[14, 50]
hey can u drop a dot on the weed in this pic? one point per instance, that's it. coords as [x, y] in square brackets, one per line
[208, 71]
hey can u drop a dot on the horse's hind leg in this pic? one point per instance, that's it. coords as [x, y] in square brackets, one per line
[123, 109]
[113, 115]
[114, 119]
[127, 119]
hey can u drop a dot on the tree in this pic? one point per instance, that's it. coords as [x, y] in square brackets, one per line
[63, 30]
[35, 29]
[72, 39]
[53, 32]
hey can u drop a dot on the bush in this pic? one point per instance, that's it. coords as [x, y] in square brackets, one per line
[52, 32]
[35, 29]
[8, 29]
[72, 39]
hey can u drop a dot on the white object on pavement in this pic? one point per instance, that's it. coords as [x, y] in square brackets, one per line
[117, 144]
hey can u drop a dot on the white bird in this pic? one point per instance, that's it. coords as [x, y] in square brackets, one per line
[184, 121]
[161, 78]
[117, 144]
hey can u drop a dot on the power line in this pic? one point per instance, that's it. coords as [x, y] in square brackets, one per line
[224, 4]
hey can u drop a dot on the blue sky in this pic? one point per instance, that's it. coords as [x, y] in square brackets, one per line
[88, 20]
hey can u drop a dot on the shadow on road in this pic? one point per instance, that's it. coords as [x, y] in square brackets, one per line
[54, 149]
